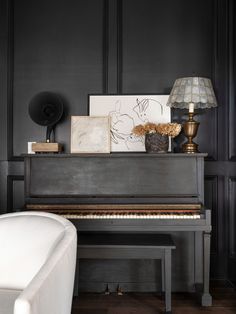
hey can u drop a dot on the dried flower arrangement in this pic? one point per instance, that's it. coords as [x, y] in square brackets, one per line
[170, 129]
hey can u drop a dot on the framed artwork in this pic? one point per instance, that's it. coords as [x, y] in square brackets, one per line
[90, 134]
[127, 111]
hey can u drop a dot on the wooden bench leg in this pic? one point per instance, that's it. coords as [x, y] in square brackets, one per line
[162, 275]
[168, 280]
[206, 297]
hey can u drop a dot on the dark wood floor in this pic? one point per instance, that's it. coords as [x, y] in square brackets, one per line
[224, 302]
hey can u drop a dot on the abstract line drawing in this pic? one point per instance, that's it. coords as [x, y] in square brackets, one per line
[125, 112]
[121, 127]
[142, 107]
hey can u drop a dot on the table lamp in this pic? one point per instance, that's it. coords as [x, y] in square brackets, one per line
[191, 93]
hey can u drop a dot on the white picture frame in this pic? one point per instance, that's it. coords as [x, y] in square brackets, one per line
[90, 134]
[127, 111]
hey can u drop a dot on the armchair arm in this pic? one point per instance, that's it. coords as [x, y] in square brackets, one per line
[51, 290]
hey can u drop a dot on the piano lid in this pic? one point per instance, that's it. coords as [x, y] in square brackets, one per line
[123, 178]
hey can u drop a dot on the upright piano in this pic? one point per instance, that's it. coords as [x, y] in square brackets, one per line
[128, 192]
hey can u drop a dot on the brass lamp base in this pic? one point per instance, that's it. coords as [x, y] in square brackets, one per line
[190, 148]
[190, 130]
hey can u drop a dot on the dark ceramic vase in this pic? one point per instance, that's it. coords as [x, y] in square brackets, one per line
[156, 143]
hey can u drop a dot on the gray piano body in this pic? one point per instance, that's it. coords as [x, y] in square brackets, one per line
[131, 178]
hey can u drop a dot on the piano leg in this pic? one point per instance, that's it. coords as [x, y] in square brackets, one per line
[162, 276]
[167, 276]
[198, 260]
[206, 297]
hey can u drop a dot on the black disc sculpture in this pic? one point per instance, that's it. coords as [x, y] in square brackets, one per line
[46, 108]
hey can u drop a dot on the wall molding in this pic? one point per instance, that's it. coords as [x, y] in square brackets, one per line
[9, 173]
[215, 156]
[221, 74]
[5, 79]
[119, 46]
[232, 79]
[3, 185]
[10, 81]
[10, 195]
[105, 44]
[232, 215]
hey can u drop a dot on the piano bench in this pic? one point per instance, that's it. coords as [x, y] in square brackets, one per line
[131, 246]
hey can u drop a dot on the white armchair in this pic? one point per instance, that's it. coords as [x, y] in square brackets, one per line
[37, 263]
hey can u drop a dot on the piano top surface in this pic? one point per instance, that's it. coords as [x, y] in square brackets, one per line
[116, 154]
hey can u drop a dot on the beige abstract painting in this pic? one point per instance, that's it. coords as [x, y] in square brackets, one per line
[90, 134]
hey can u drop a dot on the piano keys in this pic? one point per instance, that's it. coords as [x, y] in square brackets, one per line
[124, 215]
[124, 211]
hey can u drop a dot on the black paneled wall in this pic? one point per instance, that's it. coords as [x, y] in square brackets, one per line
[79, 47]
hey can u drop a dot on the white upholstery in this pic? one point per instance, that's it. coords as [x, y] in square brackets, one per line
[37, 263]
[7, 300]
